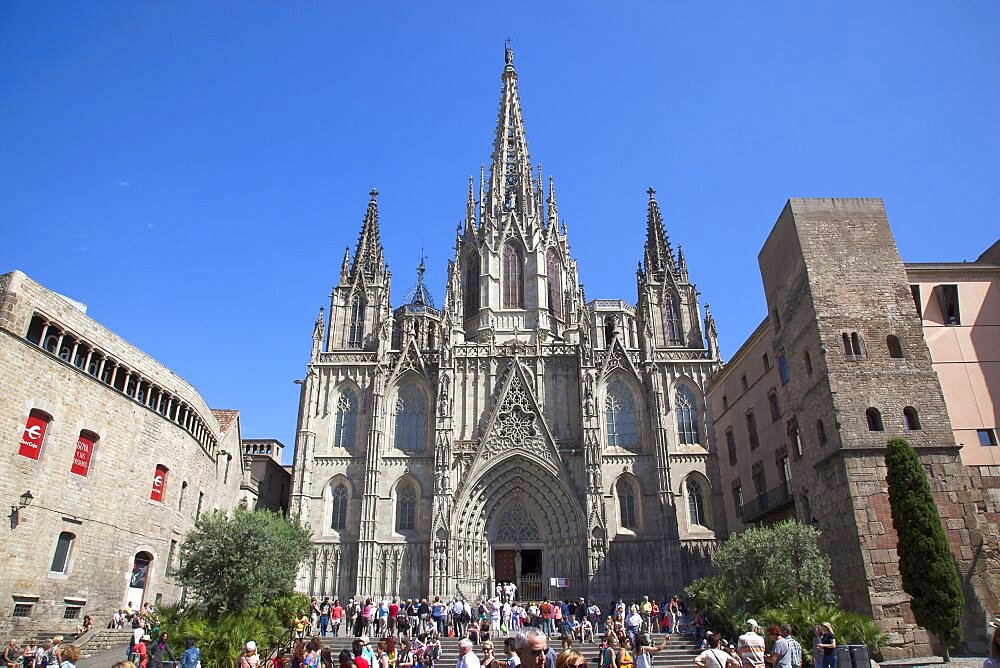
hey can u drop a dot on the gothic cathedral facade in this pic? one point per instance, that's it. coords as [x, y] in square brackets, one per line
[517, 432]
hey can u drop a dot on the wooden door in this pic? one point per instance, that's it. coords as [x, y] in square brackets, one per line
[505, 565]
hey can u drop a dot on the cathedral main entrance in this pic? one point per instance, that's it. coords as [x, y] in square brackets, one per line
[523, 567]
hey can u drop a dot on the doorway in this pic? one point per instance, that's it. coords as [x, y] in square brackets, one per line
[505, 566]
[531, 583]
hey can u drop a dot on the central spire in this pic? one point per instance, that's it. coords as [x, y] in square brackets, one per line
[510, 172]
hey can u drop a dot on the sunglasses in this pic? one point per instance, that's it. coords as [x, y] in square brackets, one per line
[538, 652]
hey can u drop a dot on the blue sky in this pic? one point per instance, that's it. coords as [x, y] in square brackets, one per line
[193, 171]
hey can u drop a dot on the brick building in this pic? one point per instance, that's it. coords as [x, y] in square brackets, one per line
[840, 364]
[119, 455]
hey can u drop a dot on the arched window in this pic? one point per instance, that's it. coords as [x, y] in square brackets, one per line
[356, 335]
[620, 416]
[856, 343]
[731, 446]
[609, 329]
[686, 408]
[338, 515]
[345, 428]
[892, 343]
[874, 419]
[410, 416]
[60, 560]
[513, 275]
[406, 509]
[471, 287]
[696, 504]
[911, 419]
[626, 504]
[672, 318]
[554, 283]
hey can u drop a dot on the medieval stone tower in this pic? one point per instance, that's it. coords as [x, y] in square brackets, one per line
[518, 432]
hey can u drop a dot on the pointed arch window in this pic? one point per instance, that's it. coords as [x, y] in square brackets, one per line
[626, 504]
[345, 428]
[620, 416]
[513, 275]
[554, 283]
[357, 332]
[471, 288]
[696, 504]
[686, 407]
[406, 509]
[338, 515]
[410, 416]
[672, 318]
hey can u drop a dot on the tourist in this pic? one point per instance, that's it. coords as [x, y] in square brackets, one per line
[750, 646]
[367, 617]
[250, 658]
[489, 659]
[313, 614]
[85, 627]
[139, 653]
[993, 661]
[394, 616]
[123, 664]
[607, 657]
[713, 657]
[336, 615]
[157, 650]
[192, 655]
[412, 616]
[466, 657]
[794, 648]
[358, 650]
[570, 658]
[28, 655]
[324, 615]
[586, 630]
[828, 643]
[545, 611]
[301, 624]
[557, 618]
[70, 655]
[532, 646]
[644, 650]
[54, 652]
[633, 622]
[405, 657]
[10, 653]
[624, 659]
[513, 660]
[674, 609]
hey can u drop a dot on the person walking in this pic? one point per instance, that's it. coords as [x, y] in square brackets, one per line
[157, 650]
[250, 658]
[750, 646]
[644, 650]
[713, 657]
[70, 655]
[828, 643]
[192, 655]
[466, 657]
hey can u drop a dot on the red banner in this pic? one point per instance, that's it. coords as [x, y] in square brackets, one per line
[159, 481]
[84, 451]
[31, 441]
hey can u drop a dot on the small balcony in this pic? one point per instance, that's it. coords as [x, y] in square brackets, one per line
[763, 507]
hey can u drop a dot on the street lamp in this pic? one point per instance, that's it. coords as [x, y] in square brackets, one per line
[25, 501]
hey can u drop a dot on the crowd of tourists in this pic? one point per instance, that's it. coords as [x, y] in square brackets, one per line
[32, 654]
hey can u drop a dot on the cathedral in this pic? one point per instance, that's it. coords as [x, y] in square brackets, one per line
[517, 432]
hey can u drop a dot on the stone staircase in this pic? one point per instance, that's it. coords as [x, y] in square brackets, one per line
[680, 652]
[101, 640]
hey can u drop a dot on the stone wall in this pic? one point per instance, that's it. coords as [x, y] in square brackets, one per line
[109, 511]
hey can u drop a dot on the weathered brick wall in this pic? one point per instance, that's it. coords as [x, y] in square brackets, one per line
[109, 510]
[830, 267]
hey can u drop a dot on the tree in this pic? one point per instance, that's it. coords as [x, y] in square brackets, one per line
[771, 563]
[926, 565]
[243, 560]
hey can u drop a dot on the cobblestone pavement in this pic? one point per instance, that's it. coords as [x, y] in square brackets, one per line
[956, 662]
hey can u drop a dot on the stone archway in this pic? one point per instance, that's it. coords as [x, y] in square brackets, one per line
[516, 491]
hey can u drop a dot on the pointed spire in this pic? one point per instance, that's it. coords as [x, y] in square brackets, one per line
[539, 193]
[345, 266]
[510, 171]
[553, 207]
[682, 265]
[369, 258]
[319, 332]
[482, 192]
[711, 335]
[658, 254]
[419, 294]
[470, 208]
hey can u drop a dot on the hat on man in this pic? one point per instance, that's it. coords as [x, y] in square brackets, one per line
[752, 624]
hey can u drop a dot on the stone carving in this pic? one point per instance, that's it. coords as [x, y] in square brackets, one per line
[515, 525]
